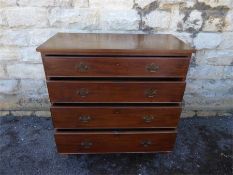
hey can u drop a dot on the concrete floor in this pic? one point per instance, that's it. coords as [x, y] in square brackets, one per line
[203, 146]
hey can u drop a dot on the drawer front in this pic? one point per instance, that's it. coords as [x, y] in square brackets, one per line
[112, 142]
[115, 117]
[116, 66]
[91, 91]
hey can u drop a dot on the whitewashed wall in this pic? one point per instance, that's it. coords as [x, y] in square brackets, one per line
[205, 24]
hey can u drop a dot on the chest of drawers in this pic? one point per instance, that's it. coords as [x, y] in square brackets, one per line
[115, 92]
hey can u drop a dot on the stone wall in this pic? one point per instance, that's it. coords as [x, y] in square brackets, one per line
[205, 24]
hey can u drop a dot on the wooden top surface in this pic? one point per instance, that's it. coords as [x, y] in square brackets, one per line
[114, 43]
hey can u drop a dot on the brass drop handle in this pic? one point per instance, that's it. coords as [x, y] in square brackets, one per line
[146, 143]
[82, 67]
[86, 144]
[148, 118]
[152, 67]
[83, 92]
[150, 93]
[85, 118]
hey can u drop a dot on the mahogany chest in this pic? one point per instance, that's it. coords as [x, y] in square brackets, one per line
[115, 92]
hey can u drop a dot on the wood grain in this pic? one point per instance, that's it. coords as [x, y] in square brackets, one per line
[110, 92]
[116, 66]
[105, 91]
[114, 142]
[115, 117]
[113, 44]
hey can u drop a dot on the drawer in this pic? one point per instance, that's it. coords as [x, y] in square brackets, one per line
[106, 91]
[114, 142]
[115, 117]
[116, 66]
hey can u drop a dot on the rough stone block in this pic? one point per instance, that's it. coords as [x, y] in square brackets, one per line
[206, 113]
[228, 74]
[158, 19]
[36, 3]
[14, 38]
[3, 22]
[214, 57]
[176, 22]
[7, 3]
[184, 36]
[143, 3]
[33, 88]
[9, 102]
[173, 1]
[193, 22]
[205, 72]
[209, 88]
[63, 3]
[169, 4]
[63, 17]
[29, 54]
[2, 72]
[36, 37]
[81, 3]
[9, 86]
[111, 4]
[30, 103]
[208, 103]
[9, 53]
[207, 40]
[26, 17]
[1, 19]
[76, 18]
[226, 43]
[31, 95]
[228, 21]
[21, 70]
[21, 113]
[42, 113]
[214, 24]
[187, 113]
[225, 113]
[119, 20]
[4, 113]
[215, 3]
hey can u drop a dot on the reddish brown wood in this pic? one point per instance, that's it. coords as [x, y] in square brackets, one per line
[127, 72]
[134, 44]
[116, 66]
[105, 91]
[114, 142]
[115, 117]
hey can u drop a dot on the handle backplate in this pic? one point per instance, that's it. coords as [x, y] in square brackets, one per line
[82, 67]
[150, 93]
[146, 143]
[86, 144]
[148, 118]
[85, 118]
[152, 67]
[83, 92]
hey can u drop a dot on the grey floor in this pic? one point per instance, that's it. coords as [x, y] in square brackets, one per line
[203, 146]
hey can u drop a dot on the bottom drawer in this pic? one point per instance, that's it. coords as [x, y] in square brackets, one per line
[114, 142]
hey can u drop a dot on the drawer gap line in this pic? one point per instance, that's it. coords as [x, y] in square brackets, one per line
[156, 56]
[114, 79]
[117, 130]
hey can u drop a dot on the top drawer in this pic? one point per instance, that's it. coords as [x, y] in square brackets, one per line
[116, 66]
